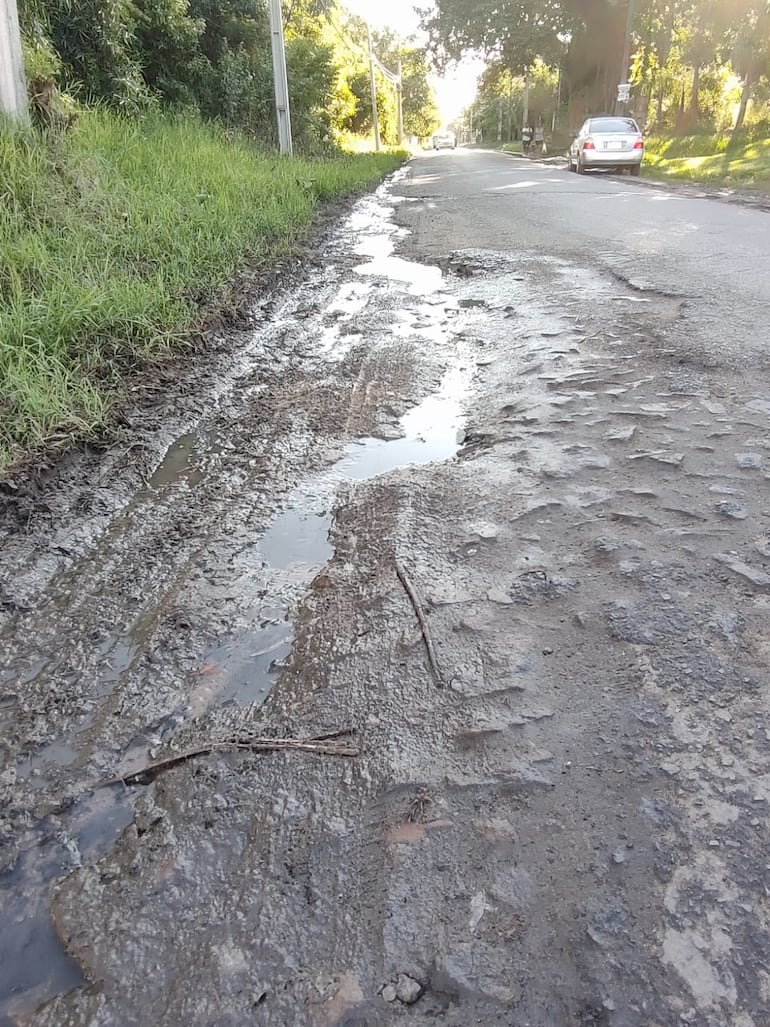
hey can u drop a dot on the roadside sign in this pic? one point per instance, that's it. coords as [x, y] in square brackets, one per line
[624, 92]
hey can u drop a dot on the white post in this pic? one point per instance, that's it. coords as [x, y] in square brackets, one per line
[400, 100]
[625, 72]
[13, 90]
[280, 80]
[375, 116]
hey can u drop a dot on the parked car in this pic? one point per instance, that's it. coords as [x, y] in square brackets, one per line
[607, 142]
[444, 141]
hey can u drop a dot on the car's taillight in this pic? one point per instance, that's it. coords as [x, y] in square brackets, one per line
[639, 144]
[588, 144]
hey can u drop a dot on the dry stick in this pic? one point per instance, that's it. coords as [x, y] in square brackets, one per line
[321, 744]
[426, 635]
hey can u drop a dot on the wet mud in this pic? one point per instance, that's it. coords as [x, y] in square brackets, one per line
[572, 832]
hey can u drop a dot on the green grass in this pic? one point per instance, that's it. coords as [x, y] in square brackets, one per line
[115, 238]
[709, 160]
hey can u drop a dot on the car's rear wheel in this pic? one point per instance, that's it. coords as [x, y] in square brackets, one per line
[580, 167]
[636, 170]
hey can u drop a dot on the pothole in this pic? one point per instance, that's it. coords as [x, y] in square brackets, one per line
[296, 545]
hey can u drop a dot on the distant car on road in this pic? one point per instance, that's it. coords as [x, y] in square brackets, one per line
[607, 142]
[444, 141]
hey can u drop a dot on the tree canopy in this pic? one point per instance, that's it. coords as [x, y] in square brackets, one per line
[214, 57]
[694, 64]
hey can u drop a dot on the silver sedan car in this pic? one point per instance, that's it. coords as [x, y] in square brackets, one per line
[607, 142]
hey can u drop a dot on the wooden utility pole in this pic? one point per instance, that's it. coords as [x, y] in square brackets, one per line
[280, 80]
[13, 89]
[373, 80]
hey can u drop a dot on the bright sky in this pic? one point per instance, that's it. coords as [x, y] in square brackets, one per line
[457, 87]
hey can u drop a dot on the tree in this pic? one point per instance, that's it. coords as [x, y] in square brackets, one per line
[421, 113]
[750, 52]
[512, 32]
[166, 47]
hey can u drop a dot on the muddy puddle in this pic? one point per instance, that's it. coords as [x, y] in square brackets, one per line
[33, 964]
[296, 545]
[277, 569]
[240, 671]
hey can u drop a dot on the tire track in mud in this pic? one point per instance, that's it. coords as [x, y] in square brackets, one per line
[574, 832]
[183, 599]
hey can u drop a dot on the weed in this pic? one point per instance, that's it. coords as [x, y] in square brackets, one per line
[710, 160]
[115, 236]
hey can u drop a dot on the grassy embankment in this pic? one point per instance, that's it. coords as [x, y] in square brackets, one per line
[709, 160]
[115, 238]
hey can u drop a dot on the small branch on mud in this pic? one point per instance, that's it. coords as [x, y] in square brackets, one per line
[424, 627]
[324, 745]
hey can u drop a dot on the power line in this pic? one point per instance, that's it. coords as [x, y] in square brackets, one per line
[346, 43]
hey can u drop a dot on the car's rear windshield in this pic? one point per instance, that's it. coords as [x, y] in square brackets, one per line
[613, 125]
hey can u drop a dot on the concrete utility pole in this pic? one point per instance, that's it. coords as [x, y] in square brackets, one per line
[525, 115]
[400, 99]
[375, 117]
[499, 119]
[280, 80]
[558, 103]
[13, 89]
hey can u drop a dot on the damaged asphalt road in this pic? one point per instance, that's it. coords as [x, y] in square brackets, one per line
[546, 397]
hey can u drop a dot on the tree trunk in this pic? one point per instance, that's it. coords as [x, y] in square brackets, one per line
[659, 106]
[695, 97]
[745, 97]
[645, 99]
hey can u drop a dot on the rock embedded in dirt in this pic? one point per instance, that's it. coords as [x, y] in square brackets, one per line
[389, 993]
[734, 511]
[658, 456]
[621, 435]
[748, 461]
[743, 570]
[408, 990]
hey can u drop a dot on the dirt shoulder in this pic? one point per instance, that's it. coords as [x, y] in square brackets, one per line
[572, 830]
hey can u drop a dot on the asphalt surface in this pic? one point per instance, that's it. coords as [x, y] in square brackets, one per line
[714, 254]
[513, 413]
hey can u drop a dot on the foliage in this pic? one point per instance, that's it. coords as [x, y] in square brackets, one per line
[709, 159]
[214, 57]
[168, 39]
[41, 61]
[110, 244]
[695, 64]
[501, 98]
[511, 32]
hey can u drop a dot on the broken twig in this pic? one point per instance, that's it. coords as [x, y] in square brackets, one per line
[324, 745]
[424, 627]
